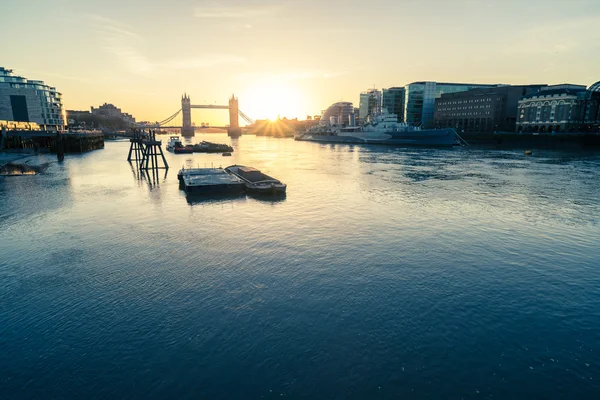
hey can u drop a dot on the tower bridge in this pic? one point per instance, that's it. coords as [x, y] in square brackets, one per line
[187, 129]
[233, 129]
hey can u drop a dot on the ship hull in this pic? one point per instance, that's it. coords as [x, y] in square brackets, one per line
[423, 138]
[229, 188]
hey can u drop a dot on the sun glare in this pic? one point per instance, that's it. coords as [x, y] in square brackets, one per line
[270, 100]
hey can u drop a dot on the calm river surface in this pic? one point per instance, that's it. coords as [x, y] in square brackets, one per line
[386, 273]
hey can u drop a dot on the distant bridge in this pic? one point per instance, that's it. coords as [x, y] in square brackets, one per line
[188, 130]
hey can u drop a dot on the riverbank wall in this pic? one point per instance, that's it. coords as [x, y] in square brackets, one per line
[575, 140]
[67, 142]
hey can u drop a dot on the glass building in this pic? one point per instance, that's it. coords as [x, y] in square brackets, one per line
[23, 100]
[392, 100]
[341, 113]
[419, 99]
[370, 104]
[591, 109]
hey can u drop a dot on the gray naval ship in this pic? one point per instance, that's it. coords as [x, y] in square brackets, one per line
[384, 129]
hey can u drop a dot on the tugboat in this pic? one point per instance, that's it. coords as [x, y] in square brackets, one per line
[175, 146]
[209, 147]
[257, 182]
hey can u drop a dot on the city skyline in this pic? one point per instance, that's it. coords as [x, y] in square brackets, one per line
[291, 58]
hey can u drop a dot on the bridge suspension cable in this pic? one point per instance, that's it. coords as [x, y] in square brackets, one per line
[245, 117]
[169, 119]
[172, 117]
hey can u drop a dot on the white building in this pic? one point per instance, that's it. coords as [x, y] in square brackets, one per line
[23, 100]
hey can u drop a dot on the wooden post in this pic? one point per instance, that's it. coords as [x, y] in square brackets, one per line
[60, 147]
[130, 150]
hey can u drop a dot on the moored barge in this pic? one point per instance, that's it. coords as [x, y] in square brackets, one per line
[257, 182]
[210, 181]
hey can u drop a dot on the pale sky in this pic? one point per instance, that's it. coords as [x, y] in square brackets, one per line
[291, 58]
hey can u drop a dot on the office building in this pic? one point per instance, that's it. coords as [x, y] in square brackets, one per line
[370, 104]
[341, 113]
[392, 100]
[591, 109]
[23, 100]
[419, 102]
[482, 109]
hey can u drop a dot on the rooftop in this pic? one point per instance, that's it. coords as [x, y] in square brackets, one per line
[247, 169]
[456, 84]
[564, 86]
[595, 87]
[554, 92]
[485, 91]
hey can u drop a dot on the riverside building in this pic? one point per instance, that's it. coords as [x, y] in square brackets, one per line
[370, 104]
[107, 110]
[392, 99]
[340, 113]
[560, 108]
[23, 100]
[419, 100]
[591, 109]
[482, 110]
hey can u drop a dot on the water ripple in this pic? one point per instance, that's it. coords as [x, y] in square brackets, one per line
[384, 273]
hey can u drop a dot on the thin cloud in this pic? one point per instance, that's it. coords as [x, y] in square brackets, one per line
[130, 58]
[235, 12]
[566, 35]
[292, 75]
[206, 61]
[110, 26]
[125, 45]
[122, 43]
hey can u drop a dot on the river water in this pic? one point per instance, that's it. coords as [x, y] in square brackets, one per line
[385, 273]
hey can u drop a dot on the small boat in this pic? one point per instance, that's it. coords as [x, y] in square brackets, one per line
[209, 181]
[257, 182]
[226, 154]
[174, 145]
[172, 141]
[209, 147]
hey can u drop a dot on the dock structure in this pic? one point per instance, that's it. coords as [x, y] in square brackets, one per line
[55, 141]
[136, 148]
[145, 151]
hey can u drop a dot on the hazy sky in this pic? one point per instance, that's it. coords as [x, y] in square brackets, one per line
[289, 57]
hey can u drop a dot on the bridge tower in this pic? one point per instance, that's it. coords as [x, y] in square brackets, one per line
[234, 124]
[187, 130]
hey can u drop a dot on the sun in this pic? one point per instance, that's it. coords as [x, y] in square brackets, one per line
[270, 100]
